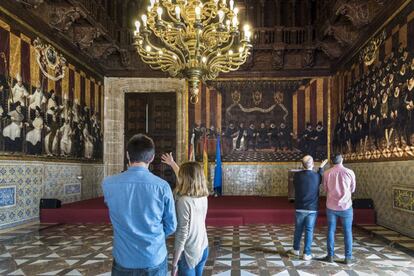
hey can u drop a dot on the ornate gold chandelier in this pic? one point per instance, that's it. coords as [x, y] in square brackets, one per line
[193, 39]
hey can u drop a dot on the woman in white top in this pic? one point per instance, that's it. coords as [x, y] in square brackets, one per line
[191, 242]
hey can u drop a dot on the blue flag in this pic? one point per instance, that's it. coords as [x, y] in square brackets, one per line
[217, 169]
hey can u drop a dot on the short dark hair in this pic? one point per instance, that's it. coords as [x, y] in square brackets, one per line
[140, 148]
[337, 158]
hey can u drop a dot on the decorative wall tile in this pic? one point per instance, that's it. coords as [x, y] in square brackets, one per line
[59, 175]
[255, 179]
[36, 180]
[92, 179]
[7, 196]
[376, 180]
[72, 189]
[403, 199]
[27, 179]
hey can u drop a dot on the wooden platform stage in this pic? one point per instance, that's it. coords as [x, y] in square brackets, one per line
[222, 211]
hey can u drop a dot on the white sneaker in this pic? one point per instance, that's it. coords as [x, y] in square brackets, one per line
[307, 257]
[293, 252]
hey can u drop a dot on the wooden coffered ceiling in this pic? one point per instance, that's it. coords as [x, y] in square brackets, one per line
[291, 37]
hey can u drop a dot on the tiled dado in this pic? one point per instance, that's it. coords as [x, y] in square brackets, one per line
[72, 182]
[21, 188]
[263, 179]
[255, 179]
[23, 184]
[385, 182]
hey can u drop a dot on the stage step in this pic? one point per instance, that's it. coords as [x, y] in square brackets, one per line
[222, 211]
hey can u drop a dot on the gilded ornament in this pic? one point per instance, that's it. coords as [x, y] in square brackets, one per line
[257, 97]
[369, 53]
[49, 60]
[192, 39]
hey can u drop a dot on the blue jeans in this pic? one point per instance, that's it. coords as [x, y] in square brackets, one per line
[304, 221]
[184, 270]
[160, 270]
[346, 220]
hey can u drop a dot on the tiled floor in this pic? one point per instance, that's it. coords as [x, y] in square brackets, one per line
[244, 250]
[392, 238]
[14, 232]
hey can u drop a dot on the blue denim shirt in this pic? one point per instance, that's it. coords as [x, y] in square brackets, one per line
[142, 212]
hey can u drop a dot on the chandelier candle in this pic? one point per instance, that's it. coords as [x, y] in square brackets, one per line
[187, 39]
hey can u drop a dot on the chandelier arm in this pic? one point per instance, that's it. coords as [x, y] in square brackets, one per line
[151, 21]
[229, 45]
[209, 11]
[153, 46]
[219, 66]
[157, 63]
[209, 28]
[173, 49]
[184, 15]
[222, 69]
[228, 64]
[159, 49]
[183, 45]
[217, 59]
[170, 8]
[222, 50]
[150, 44]
[211, 31]
[167, 55]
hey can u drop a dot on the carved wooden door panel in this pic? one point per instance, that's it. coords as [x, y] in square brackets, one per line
[155, 115]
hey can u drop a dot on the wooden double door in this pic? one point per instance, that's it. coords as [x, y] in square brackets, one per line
[154, 114]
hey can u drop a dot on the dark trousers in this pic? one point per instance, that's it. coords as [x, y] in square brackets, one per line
[160, 270]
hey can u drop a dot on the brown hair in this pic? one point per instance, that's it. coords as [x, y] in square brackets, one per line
[191, 180]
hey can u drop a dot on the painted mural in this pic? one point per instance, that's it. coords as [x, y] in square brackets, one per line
[263, 121]
[377, 119]
[47, 106]
[376, 116]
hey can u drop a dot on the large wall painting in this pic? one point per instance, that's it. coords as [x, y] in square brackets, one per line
[375, 90]
[265, 121]
[47, 106]
[377, 120]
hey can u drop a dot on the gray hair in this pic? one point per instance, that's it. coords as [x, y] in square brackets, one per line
[337, 159]
[307, 162]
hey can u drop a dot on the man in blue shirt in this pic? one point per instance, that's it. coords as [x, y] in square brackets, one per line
[306, 184]
[142, 212]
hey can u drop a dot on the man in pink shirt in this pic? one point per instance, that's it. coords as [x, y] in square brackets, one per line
[339, 184]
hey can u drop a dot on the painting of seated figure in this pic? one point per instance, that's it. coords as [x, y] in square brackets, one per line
[267, 121]
[47, 108]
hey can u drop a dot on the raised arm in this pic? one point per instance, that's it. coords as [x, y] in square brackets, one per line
[168, 159]
[321, 169]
